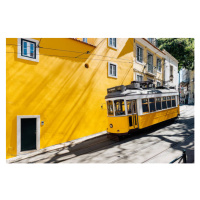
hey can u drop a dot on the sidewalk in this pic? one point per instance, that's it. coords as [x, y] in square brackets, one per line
[70, 146]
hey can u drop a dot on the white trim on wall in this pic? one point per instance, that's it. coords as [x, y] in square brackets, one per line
[19, 53]
[19, 117]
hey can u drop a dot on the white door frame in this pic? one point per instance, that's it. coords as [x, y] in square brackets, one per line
[19, 117]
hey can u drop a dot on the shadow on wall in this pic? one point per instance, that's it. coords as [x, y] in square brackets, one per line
[59, 89]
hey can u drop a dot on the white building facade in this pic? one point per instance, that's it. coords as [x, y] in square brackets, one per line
[170, 75]
[186, 86]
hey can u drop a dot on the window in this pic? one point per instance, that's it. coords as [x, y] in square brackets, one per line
[171, 70]
[119, 107]
[169, 102]
[164, 103]
[159, 65]
[145, 106]
[139, 54]
[158, 103]
[110, 107]
[85, 40]
[139, 77]
[112, 42]
[150, 63]
[173, 101]
[27, 49]
[171, 73]
[152, 104]
[112, 70]
[131, 106]
[150, 40]
[158, 83]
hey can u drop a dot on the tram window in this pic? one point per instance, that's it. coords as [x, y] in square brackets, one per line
[145, 106]
[131, 106]
[152, 104]
[169, 105]
[173, 101]
[110, 107]
[158, 103]
[164, 103]
[119, 107]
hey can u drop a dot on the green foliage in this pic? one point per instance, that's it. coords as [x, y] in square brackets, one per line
[180, 48]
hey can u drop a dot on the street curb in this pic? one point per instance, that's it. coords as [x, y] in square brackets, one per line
[87, 139]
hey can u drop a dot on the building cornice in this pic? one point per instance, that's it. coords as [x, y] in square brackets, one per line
[153, 45]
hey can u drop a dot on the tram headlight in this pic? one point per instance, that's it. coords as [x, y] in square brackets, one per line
[111, 125]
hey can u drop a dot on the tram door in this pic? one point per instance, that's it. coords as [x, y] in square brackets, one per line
[132, 112]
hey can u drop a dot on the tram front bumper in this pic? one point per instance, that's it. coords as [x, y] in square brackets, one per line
[118, 125]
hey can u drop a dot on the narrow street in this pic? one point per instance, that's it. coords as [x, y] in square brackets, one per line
[161, 143]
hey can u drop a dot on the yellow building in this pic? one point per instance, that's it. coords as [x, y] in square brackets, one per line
[55, 88]
[148, 61]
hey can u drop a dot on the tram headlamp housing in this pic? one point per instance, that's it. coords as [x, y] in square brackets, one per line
[111, 125]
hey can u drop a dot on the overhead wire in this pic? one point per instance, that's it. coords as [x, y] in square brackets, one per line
[71, 57]
[82, 53]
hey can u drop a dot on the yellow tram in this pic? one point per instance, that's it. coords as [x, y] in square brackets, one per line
[139, 105]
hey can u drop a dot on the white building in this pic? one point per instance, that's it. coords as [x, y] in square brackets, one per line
[186, 86]
[170, 76]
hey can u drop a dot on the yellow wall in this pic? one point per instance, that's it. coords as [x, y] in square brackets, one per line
[65, 94]
[139, 68]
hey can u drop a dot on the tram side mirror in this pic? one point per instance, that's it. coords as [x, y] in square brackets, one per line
[103, 106]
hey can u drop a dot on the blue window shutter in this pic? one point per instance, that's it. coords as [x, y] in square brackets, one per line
[110, 41]
[25, 48]
[114, 42]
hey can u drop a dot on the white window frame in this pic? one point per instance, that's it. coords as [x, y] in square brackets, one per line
[111, 45]
[157, 84]
[19, 117]
[148, 52]
[160, 64]
[137, 45]
[136, 74]
[111, 75]
[19, 48]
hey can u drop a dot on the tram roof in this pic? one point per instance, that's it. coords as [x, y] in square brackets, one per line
[125, 91]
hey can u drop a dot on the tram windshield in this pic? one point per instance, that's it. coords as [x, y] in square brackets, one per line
[119, 107]
[131, 106]
[110, 108]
